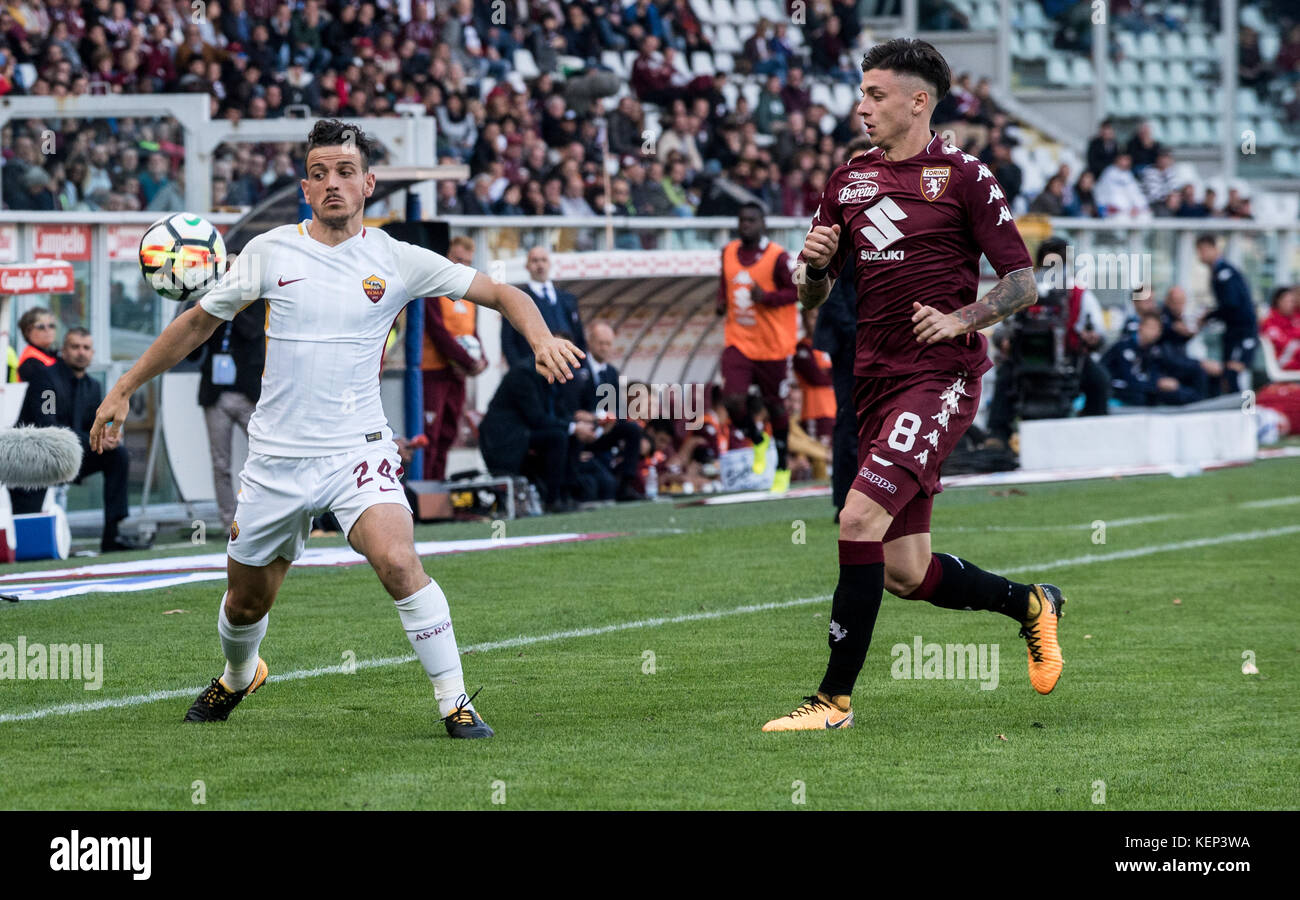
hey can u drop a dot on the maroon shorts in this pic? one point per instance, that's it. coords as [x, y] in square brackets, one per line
[772, 377]
[907, 426]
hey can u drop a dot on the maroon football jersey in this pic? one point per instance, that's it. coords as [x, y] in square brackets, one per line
[916, 229]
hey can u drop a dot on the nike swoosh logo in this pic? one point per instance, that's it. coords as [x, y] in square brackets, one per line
[282, 282]
[387, 489]
[829, 724]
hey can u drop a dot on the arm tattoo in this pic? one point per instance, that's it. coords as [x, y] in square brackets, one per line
[1013, 293]
[812, 293]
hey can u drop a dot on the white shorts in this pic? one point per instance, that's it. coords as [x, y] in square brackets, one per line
[279, 496]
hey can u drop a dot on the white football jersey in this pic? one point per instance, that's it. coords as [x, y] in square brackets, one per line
[328, 314]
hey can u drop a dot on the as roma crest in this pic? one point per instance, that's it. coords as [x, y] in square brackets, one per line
[934, 181]
[374, 287]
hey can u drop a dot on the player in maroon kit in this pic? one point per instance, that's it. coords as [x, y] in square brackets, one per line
[916, 214]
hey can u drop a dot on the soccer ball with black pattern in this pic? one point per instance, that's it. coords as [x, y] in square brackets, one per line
[182, 256]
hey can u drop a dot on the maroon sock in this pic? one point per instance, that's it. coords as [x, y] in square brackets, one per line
[853, 613]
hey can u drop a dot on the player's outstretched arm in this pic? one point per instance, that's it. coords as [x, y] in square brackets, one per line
[1013, 293]
[554, 355]
[186, 332]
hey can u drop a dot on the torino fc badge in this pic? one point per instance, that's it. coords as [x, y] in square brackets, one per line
[234, 530]
[374, 288]
[934, 181]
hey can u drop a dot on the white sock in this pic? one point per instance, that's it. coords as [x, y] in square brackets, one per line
[427, 620]
[239, 643]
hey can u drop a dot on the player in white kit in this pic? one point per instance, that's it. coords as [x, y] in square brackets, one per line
[318, 439]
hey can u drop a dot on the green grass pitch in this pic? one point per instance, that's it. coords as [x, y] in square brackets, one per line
[1153, 710]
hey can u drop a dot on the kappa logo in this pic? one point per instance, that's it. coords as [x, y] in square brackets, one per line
[872, 478]
[374, 287]
[934, 181]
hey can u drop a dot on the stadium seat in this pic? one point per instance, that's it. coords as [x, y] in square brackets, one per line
[524, 63]
[746, 12]
[1200, 102]
[1175, 101]
[1058, 71]
[725, 14]
[1034, 46]
[702, 63]
[1198, 46]
[1033, 16]
[629, 59]
[731, 93]
[1081, 71]
[1269, 133]
[1269, 43]
[795, 36]
[1126, 103]
[751, 90]
[1174, 130]
[681, 66]
[1127, 43]
[1178, 73]
[985, 17]
[820, 93]
[771, 10]
[614, 62]
[1151, 100]
[1247, 103]
[728, 41]
[1175, 46]
[1153, 72]
[1201, 132]
[1128, 73]
[1149, 45]
[703, 11]
[1285, 161]
[845, 99]
[724, 62]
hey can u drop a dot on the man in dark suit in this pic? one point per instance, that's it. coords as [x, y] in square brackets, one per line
[837, 333]
[524, 432]
[230, 383]
[558, 308]
[69, 399]
[597, 469]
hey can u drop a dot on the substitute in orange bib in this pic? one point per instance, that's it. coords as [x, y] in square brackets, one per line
[812, 370]
[757, 295]
[446, 363]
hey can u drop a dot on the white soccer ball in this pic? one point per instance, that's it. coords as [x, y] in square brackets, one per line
[182, 256]
[471, 345]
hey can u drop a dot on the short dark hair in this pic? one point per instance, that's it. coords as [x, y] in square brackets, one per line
[750, 204]
[334, 133]
[28, 319]
[1052, 246]
[860, 144]
[1277, 295]
[76, 331]
[912, 57]
[1203, 239]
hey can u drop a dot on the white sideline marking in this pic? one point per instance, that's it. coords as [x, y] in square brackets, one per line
[1264, 504]
[523, 641]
